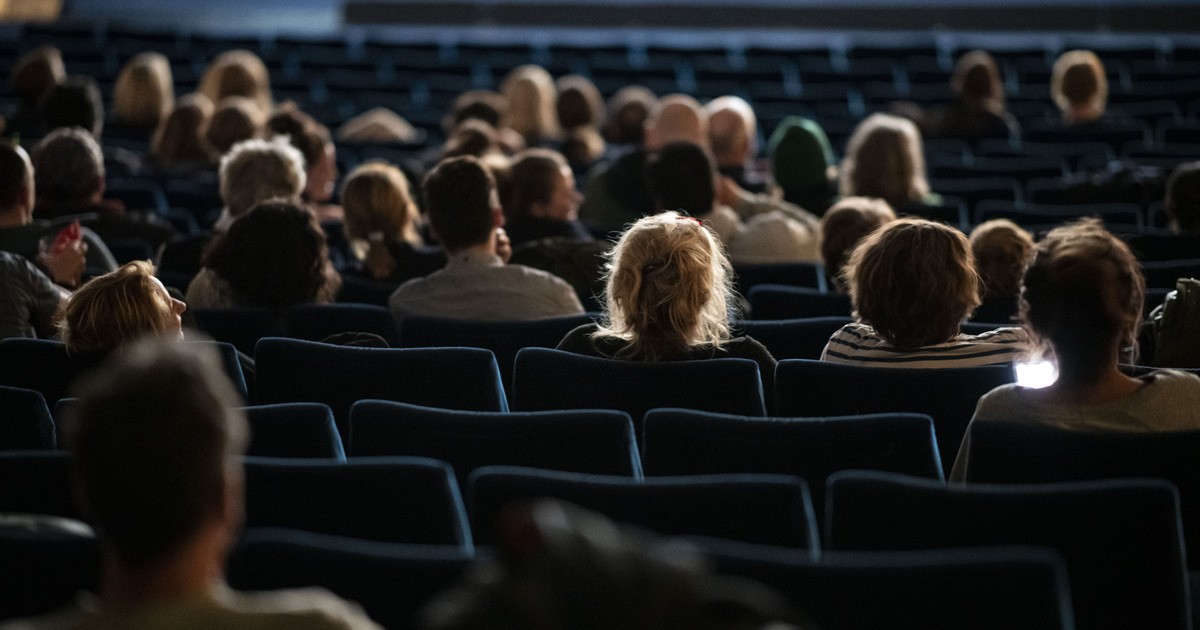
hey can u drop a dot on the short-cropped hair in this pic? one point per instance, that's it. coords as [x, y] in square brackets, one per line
[68, 165]
[1001, 250]
[531, 179]
[846, 223]
[459, 197]
[114, 309]
[257, 170]
[154, 439]
[913, 281]
[681, 177]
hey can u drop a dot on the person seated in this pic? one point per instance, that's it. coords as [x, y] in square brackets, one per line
[978, 110]
[31, 77]
[1079, 87]
[465, 216]
[238, 73]
[143, 96]
[1081, 299]
[803, 165]
[275, 257]
[668, 297]
[156, 445]
[733, 136]
[628, 110]
[178, 146]
[531, 97]
[30, 302]
[912, 282]
[320, 157]
[235, 119]
[1001, 249]
[112, 310]
[844, 225]
[540, 199]
[382, 224]
[885, 159]
[580, 111]
[1182, 200]
[76, 102]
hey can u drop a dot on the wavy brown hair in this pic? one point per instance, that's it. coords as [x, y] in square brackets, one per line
[913, 281]
[884, 159]
[113, 309]
[1001, 250]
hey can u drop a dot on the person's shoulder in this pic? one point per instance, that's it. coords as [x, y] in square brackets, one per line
[536, 275]
[1005, 334]
[579, 338]
[998, 403]
[747, 347]
[308, 608]
[1178, 382]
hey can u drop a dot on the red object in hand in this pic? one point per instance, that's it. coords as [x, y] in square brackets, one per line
[66, 237]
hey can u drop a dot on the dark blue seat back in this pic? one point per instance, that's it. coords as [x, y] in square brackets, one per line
[793, 338]
[291, 370]
[600, 442]
[1121, 539]
[357, 290]
[1162, 274]
[1010, 452]
[551, 379]
[386, 499]
[799, 274]
[44, 570]
[392, 582]
[948, 395]
[984, 588]
[242, 327]
[763, 509]
[774, 301]
[315, 322]
[25, 421]
[294, 430]
[36, 482]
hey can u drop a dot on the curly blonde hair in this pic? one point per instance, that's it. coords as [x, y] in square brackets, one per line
[668, 288]
[113, 309]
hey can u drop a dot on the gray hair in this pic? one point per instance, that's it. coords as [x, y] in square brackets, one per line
[257, 170]
[68, 165]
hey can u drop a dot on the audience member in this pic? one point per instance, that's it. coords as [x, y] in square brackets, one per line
[31, 77]
[844, 225]
[179, 146]
[486, 106]
[473, 137]
[1082, 301]
[540, 200]
[30, 302]
[1001, 250]
[236, 119]
[144, 94]
[156, 444]
[978, 110]
[1182, 200]
[531, 98]
[581, 115]
[1079, 87]
[114, 309]
[912, 282]
[274, 257]
[628, 111]
[238, 73]
[733, 136]
[465, 215]
[75, 102]
[803, 164]
[382, 224]
[320, 157]
[884, 159]
[379, 125]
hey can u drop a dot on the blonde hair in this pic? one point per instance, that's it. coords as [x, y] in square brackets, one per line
[1078, 81]
[114, 309]
[883, 159]
[179, 138]
[257, 170]
[379, 208]
[237, 73]
[1001, 250]
[144, 92]
[668, 288]
[531, 103]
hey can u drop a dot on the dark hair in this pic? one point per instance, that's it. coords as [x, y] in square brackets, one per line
[579, 102]
[75, 102]
[152, 441]
[485, 105]
[628, 110]
[843, 226]
[68, 165]
[275, 257]
[471, 137]
[680, 177]
[303, 131]
[458, 197]
[34, 73]
[531, 179]
[14, 175]
[1183, 197]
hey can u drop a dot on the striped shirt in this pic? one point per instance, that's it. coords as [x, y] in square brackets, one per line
[858, 344]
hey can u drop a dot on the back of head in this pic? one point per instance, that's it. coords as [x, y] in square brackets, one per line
[628, 110]
[732, 129]
[579, 102]
[801, 158]
[460, 196]
[75, 102]
[237, 73]
[845, 224]
[531, 103]
[302, 130]
[486, 105]
[35, 73]
[1182, 199]
[1082, 293]
[976, 79]
[257, 170]
[1078, 81]
[179, 139]
[531, 179]
[668, 288]
[676, 118]
[472, 137]
[68, 165]
[884, 159]
[274, 257]
[1001, 250]
[144, 93]
[114, 309]
[15, 174]
[681, 177]
[155, 440]
[236, 118]
[913, 281]
[378, 203]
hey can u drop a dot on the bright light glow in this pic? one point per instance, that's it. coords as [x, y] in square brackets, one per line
[1036, 375]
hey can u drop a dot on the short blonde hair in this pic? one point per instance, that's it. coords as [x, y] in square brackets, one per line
[114, 309]
[913, 281]
[668, 288]
[379, 208]
[257, 170]
[1001, 250]
[531, 103]
[237, 73]
[1078, 80]
[884, 159]
[144, 93]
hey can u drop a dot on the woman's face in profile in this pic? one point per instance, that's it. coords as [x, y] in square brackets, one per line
[175, 319]
[564, 202]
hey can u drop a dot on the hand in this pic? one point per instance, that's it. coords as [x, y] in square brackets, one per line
[503, 245]
[65, 266]
[728, 192]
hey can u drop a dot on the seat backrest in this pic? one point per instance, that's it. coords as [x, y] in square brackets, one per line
[797, 274]
[984, 588]
[44, 568]
[36, 482]
[392, 582]
[365, 291]
[1121, 539]
[293, 430]
[1018, 452]
[763, 509]
[683, 442]
[551, 379]
[291, 370]
[1163, 273]
[387, 499]
[776, 301]
[592, 441]
[25, 421]
[315, 322]
[242, 327]
[948, 395]
[794, 338]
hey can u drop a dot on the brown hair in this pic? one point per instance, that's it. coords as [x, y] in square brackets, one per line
[459, 197]
[237, 73]
[842, 227]
[144, 93]
[179, 139]
[35, 72]
[913, 281]
[1077, 80]
[1001, 250]
[531, 179]
[379, 209]
[1082, 294]
[1182, 199]
[114, 309]
[579, 103]
[976, 80]
[236, 119]
[884, 159]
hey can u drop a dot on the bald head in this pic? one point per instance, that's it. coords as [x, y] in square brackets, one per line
[732, 128]
[676, 118]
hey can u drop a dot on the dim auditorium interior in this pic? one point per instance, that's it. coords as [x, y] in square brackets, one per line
[380, 472]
